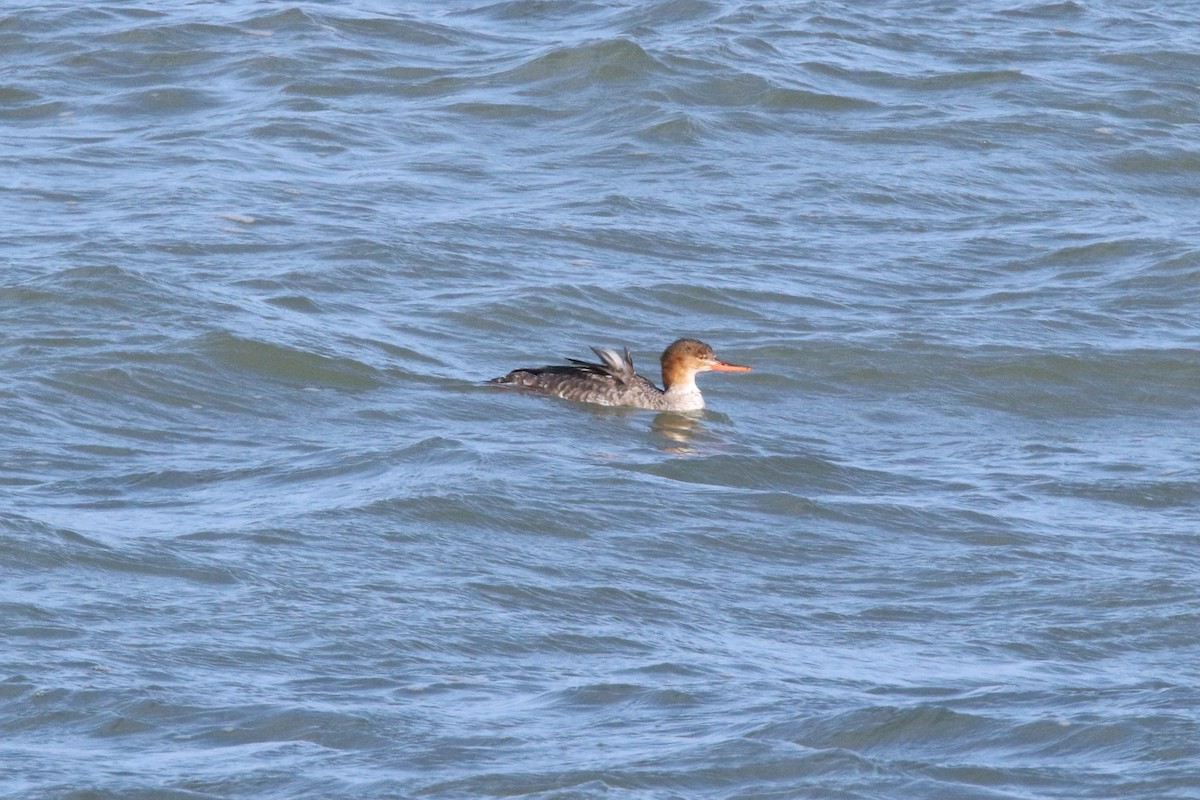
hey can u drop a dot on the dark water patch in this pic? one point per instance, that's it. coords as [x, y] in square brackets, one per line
[804, 475]
[164, 100]
[257, 725]
[1089, 382]
[38, 547]
[520, 114]
[613, 62]
[592, 602]
[1060, 10]
[106, 288]
[491, 511]
[130, 396]
[667, 670]
[152, 65]
[313, 139]
[1157, 283]
[409, 74]
[171, 36]
[289, 20]
[171, 486]
[525, 11]
[681, 130]
[582, 783]
[16, 96]
[1160, 61]
[929, 82]
[1039, 382]
[786, 99]
[265, 537]
[620, 699]
[590, 304]
[887, 731]
[34, 110]
[42, 544]
[1147, 493]
[299, 303]
[390, 31]
[133, 790]
[1096, 258]
[713, 86]
[288, 365]
[1172, 163]
[594, 644]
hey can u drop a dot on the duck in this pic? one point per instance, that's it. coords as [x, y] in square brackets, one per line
[615, 382]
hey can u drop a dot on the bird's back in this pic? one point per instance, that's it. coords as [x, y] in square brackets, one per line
[613, 382]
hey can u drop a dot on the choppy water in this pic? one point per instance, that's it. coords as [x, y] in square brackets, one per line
[265, 534]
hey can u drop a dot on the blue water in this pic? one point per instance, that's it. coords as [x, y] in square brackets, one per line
[265, 531]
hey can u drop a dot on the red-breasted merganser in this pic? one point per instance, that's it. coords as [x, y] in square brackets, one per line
[613, 382]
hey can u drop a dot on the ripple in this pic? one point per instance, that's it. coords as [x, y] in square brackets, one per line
[288, 364]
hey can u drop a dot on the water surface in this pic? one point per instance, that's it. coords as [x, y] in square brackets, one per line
[265, 532]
